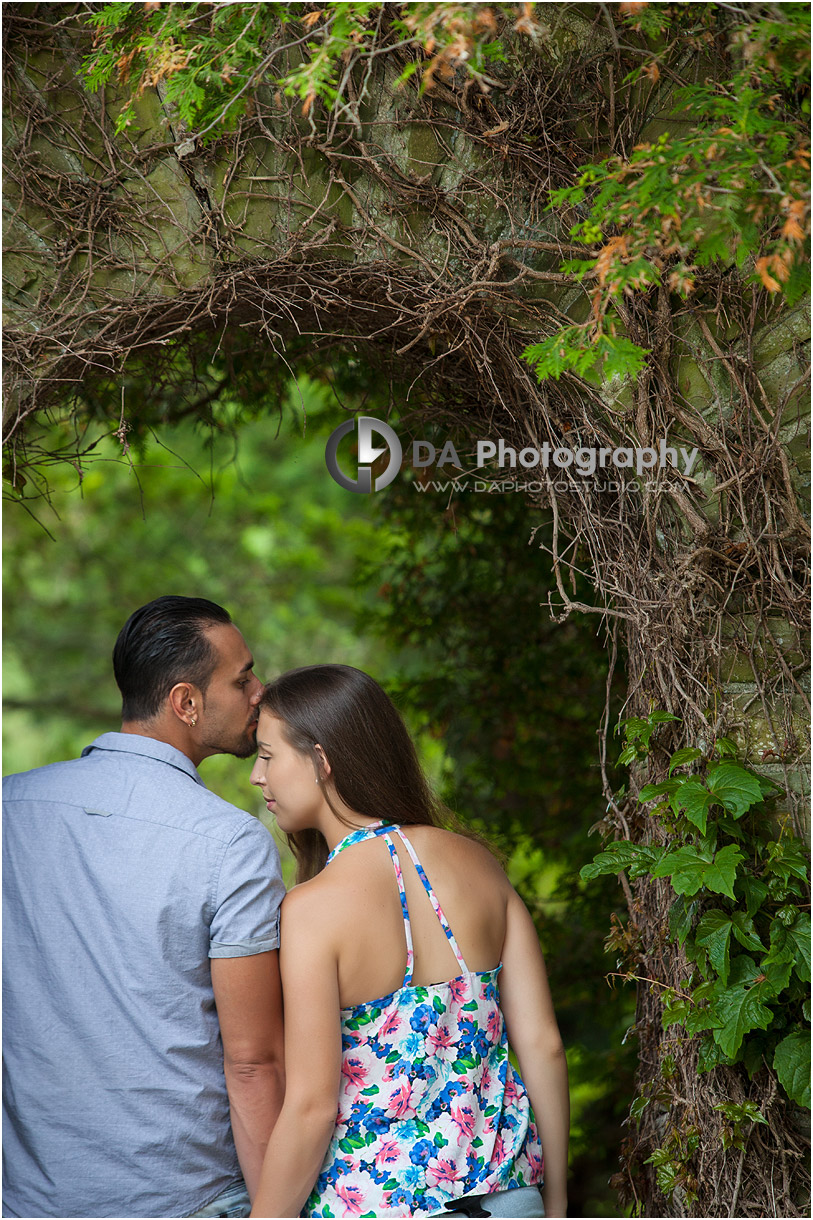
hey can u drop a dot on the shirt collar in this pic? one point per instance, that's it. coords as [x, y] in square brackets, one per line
[147, 747]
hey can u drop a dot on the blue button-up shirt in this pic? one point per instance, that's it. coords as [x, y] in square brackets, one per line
[123, 874]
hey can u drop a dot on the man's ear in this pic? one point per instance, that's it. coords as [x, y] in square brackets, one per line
[324, 765]
[185, 701]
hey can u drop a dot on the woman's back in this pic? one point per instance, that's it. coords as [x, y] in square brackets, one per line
[358, 895]
[429, 1106]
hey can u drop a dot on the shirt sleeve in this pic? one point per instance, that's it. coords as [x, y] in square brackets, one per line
[248, 894]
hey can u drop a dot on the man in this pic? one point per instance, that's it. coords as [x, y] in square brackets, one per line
[141, 929]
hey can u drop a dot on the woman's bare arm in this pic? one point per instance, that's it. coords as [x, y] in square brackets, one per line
[534, 1037]
[302, 1133]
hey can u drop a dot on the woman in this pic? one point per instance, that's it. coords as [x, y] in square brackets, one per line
[389, 1016]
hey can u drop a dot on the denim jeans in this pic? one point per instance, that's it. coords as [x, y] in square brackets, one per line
[522, 1201]
[233, 1202]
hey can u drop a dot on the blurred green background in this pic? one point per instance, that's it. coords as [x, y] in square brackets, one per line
[443, 601]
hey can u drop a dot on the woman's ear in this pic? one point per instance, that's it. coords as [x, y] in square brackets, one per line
[324, 765]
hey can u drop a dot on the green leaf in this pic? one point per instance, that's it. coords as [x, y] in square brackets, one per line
[710, 1055]
[692, 799]
[734, 787]
[791, 1063]
[681, 917]
[744, 932]
[621, 855]
[794, 940]
[725, 747]
[787, 858]
[680, 757]
[650, 791]
[753, 1054]
[777, 966]
[714, 934]
[690, 869]
[755, 892]
[737, 1008]
[661, 717]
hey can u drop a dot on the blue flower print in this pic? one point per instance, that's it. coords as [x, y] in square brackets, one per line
[429, 1105]
[422, 1018]
[412, 1046]
[377, 1120]
[422, 1152]
[481, 1043]
[401, 1197]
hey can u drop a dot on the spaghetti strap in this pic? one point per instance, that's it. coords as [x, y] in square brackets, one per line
[396, 864]
[444, 923]
[384, 831]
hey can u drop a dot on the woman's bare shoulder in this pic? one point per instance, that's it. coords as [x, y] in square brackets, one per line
[455, 850]
[310, 901]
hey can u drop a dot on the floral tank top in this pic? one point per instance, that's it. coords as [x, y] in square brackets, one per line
[430, 1108]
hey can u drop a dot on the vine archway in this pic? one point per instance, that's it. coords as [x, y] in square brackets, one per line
[416, 230]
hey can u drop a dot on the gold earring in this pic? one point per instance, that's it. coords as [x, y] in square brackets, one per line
[193, 722]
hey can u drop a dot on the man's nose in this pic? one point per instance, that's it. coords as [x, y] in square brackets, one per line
[257, 695]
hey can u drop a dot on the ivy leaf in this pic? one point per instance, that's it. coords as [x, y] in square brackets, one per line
[650, 791]
[791, 1063]
[794, 940]
[714, 934]
[725, 747]
[755, 892]
[690, 869]
[709, 1055]
[776, 966]
[738, 1007]
[661, 717]
[636, 857]
[744, 932]
[680, 757]
[692, 799]
[786, 858]
[681, 917]
[734, 787]
[753, 1054]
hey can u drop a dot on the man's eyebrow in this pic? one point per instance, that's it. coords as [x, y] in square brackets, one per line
[248, 665]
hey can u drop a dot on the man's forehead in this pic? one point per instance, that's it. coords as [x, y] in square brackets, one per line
[231, 648]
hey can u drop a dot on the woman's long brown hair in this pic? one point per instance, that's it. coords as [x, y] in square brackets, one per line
[373, 764]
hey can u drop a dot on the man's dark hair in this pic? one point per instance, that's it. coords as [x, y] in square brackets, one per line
[163, 643]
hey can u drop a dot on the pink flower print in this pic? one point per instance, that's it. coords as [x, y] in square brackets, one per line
[498, 1155]
[486, 1083]
[441, 1042]
[493, 1026]
[463, 1119]
[535, 1165]
[441, 1171]
[388, 1153]
[391, 1024]
[459, 989]
[511, 1094]
[403, 1099]
[354, 1071]
[352, 1198]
